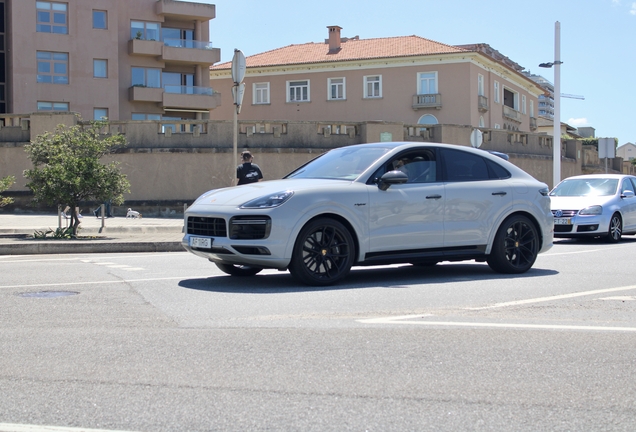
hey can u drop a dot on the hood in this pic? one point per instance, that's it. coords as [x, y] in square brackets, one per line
[238, 195]
[577, 203]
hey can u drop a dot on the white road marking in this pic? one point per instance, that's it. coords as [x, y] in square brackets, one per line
[67, 284]
[552, 298]
[407, 319]
[621, 298]
[9, 427]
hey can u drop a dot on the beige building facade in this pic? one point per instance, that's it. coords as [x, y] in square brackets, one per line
[399, 79]
[120, 59]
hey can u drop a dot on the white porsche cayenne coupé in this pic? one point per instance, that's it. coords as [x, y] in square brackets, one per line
[375, 204]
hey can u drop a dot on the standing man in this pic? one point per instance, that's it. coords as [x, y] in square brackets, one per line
[248, 172]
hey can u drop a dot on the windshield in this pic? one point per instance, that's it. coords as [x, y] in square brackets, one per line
[345, 163]
[586, 187]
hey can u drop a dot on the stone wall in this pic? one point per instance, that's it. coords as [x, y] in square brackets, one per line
[174, 162]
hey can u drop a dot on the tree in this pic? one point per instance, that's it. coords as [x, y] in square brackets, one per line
[5, 183]
[67, 168]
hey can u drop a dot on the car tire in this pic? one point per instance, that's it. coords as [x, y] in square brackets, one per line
[615, 230]
[323, 253]
[515, 247]
[238, 270]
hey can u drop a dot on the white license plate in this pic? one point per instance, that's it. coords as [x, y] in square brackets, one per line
[201, 242]
[562, 221]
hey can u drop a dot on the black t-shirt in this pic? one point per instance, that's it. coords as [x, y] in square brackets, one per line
[248, 173]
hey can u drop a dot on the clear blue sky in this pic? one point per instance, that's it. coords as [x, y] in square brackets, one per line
[597, 40]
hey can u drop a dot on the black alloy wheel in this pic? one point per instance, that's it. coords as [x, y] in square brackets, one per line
[516, 246]
[615, 229]
[323, 253]
[238, 270]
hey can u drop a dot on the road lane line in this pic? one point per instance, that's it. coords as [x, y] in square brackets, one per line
[407, 319]
[552, 298]
[9, 427]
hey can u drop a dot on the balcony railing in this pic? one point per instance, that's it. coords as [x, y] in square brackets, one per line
[189, 90]
[427, 101]
[482, 103]
[187, 43]
[511, 113]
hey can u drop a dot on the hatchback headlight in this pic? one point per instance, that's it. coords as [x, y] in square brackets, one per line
[592, 211]
[269, 201]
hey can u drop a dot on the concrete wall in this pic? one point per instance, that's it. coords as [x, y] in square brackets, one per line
[178, 167]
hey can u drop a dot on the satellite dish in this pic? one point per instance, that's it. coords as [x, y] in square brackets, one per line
[476, 138]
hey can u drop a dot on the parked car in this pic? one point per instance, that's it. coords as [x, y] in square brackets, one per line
[376, 204]
[595, 205]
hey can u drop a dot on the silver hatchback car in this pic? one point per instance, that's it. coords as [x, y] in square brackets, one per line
[374, 204]
[595, 205]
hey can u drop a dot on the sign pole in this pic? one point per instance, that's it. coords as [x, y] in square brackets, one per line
[238, 90]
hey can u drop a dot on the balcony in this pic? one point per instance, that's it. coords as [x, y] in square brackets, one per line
[189, 51]
[421, 101]
[511, 114]
[191, 97]
[482, 103]
[186, 10]
[533, 124]
[186, 97]
[176, 51]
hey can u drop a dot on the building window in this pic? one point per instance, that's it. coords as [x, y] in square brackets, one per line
[428, 119]
[53, 106]
[175, 82]
[146, 77]
[531, 108]
[52, 17]
[482, 123]
[523, 104]
[496, 90]
[52, 67]
[100, 19]
[373, 86]
[511, 99]
[100, 68]
[180, 38]
[260, 93]
[298, 91]
[100, 113]
[144, 30]
[336, 89]
[480, 85]
[141, 116]
[427, 83]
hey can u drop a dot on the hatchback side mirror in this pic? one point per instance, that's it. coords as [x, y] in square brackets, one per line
[627, 194]
[391, 178]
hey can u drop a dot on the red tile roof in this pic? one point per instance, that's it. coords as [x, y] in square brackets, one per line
[352, 49]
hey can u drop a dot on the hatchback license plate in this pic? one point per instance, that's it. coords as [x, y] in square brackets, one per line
[201, 242]
[562, 221]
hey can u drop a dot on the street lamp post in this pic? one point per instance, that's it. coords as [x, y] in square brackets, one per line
[556, 134]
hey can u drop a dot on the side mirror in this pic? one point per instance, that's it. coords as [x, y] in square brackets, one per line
[391, 178]
[627, 194]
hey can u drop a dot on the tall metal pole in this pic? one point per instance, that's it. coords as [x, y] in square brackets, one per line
[556, 173]
[235, 137]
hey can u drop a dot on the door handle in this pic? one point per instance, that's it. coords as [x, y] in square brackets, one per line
[433, 196]
[502, 193]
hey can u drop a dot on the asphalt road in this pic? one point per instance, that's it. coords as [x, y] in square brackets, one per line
[166, 342]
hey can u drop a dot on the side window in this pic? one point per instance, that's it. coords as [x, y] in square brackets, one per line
[462, 166]
[497, 171]
[419, 166]
[628, 186]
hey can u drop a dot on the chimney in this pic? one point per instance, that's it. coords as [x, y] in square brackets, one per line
[334, 38]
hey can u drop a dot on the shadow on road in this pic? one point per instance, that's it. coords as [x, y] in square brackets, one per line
[360, 277]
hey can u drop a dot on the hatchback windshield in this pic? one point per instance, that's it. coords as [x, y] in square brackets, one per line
[345, 163]
[586, 187]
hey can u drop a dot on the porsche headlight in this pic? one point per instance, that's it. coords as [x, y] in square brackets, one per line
[592, 211]
[269, 201]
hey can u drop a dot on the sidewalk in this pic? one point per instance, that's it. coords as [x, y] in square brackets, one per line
[118, 234]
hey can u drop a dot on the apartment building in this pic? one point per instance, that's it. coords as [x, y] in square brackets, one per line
[407, 79]
[546, 100]
[120, 59]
